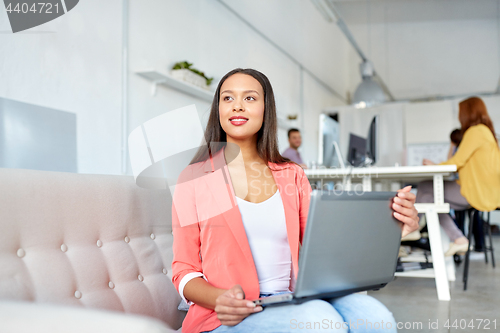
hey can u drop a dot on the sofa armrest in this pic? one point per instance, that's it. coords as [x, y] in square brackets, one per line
[27, 317]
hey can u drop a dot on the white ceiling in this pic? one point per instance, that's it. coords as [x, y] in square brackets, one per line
[356, 11]
[428, 48]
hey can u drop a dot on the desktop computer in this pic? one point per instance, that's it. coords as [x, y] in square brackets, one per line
[361, 152]
[328, 142]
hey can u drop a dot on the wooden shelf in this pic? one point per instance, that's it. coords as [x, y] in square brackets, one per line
[166, 80]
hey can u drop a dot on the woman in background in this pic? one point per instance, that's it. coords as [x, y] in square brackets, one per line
[455, 139]
[478, 165]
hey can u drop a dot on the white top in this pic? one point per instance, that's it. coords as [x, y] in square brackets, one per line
[265, 226]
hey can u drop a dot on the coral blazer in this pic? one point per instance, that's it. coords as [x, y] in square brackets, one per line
[209, 236]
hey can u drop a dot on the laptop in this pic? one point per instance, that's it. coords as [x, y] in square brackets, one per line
[351, 244]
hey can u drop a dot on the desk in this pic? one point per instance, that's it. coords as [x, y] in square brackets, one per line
[443, 270]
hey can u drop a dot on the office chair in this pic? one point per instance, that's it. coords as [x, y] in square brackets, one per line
[476, 216]
[487, 248]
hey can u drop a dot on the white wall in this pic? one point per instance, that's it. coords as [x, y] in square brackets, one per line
[430, 122]
[433, 122]
[207, 34]
[391, 135]
[316, 100]
[72, 64]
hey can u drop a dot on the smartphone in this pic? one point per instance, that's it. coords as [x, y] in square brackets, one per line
[263, 301]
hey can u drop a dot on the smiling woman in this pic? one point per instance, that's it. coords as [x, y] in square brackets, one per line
[253, 92]
[250, 247]
[241, 107]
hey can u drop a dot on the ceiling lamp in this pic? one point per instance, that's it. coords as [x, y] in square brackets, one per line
[369, 91]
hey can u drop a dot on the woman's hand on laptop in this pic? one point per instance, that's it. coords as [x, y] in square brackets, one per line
[232, 307]
[405, 211]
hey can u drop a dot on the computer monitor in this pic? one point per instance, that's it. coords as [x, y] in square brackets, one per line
[371, 143]
[357, 150]
[328, 136]
[363, 152]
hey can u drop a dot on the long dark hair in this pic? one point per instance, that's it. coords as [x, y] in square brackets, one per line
[267, 141]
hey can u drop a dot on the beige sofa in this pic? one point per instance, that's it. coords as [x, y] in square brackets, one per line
[84, 253]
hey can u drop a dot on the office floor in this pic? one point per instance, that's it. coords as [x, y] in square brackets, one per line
[414, 303]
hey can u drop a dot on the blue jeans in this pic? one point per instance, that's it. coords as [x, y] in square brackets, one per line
[354, 313]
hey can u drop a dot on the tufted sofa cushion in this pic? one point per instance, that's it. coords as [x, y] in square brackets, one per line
[96, 241]
[29, 317]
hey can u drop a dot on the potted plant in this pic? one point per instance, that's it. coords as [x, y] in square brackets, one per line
[183, 71]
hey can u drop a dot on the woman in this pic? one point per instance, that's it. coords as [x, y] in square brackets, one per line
[478, 164]
[239, 214]
[455, 138]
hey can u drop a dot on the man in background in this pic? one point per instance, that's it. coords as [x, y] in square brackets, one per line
[295, 140]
